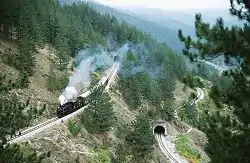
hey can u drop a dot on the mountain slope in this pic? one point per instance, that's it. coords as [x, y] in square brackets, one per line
[181, 17]
[166, 33]
[162, 33]
[161, 18]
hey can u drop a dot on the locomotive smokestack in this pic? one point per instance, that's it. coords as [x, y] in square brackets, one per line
[69, 94]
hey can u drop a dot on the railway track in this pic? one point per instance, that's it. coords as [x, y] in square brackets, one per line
[53, 120]
[199, 96]
[29, 130]
[165, 150]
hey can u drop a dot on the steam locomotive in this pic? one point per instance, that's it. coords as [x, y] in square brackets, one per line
[76, 102]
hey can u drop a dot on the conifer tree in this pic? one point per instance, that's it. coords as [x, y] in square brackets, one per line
[14, 116]
[141, 139]
[232, 42]
[98, 117]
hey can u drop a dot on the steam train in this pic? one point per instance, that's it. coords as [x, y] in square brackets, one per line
[69, 106]
[74, 104]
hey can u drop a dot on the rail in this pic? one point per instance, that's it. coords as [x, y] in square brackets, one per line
[55, 119]
[164, 149]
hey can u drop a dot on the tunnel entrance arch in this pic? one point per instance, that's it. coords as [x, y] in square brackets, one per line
[159, 127]
[159, 130]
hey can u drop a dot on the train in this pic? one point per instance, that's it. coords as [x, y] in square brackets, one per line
[76, 102]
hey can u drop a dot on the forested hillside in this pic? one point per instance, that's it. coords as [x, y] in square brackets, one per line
[163, 33]
[29, 25]
[227, 129]
[116, 126]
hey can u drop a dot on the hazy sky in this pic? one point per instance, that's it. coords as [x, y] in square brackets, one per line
[170, 4]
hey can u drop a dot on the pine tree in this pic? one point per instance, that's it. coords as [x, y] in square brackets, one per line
[141, 139]
[23, 80]
[232, 42]
[98, 116]
[13, 118]
[63, 51]
[27, 58]
[15, 154]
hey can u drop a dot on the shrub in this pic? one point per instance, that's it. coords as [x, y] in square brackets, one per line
[184, 148]
[193, 81]
[74, 127]
[57, 81]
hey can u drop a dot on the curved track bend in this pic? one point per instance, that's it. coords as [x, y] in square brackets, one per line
[160, 138]
[24, 135]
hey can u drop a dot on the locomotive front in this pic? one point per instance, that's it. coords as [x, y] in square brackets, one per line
[67, 101]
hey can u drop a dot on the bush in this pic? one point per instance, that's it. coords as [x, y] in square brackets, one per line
[95, 78]
[193, 81]
[184, 148]
[189, 114]
[216, 94]
[74, 128]
[57, 81]
[192, 96]
[103, 156]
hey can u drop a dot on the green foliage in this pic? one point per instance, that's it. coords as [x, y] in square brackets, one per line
[11, 58]
[193, 81]
[12, 109]
[189, 113]
[122, 130]
[138, 82]
[6, 85]
[129, 87]
[77, 160]
[13, 153]
[223, 141]
[98, 117]
[141, 139]
[122, 154]
[220, 89]
[192, 96]
[232, 42]
[74, 128]
[23, 80]
[14, 116]
[27, 58]
[216, 95]
[102, 156]
[203, 71]
[183, 146]
[57, 81]
[95, 78]
[68, 28]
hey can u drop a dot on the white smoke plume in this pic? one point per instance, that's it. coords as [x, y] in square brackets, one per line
[88, 61]
[81, 74]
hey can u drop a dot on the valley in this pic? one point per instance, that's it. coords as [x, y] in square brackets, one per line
[84, 82]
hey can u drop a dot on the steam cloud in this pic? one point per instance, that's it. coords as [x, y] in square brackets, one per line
[86, 62]
[81, 74]
[142, 61]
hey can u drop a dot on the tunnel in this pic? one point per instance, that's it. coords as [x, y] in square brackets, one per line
[159, 130]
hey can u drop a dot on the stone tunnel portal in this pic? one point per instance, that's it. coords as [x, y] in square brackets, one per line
[159, 130]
